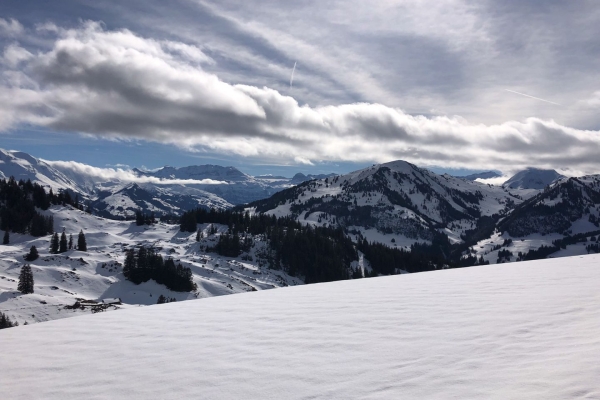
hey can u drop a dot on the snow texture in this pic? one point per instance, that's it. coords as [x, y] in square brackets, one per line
[515, 331]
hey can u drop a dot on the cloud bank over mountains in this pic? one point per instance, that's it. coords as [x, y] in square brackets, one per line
[118, 84]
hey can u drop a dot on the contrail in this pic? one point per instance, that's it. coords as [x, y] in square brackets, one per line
[526, 95]
[292, 78]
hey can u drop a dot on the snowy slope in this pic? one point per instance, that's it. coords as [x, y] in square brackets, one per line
[567, 211]
[124, 199]
[517, 331]
[63, 279]
[23, 166]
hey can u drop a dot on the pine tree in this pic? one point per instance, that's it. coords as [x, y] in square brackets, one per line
[70, 242]
[81, 244]
[63, 243]
[33, 254]
[25, 285]
[129, 264]
[6, 239]
[5, 322]
[54, 243]
[139, 218]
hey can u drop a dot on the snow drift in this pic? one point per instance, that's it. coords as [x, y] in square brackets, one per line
[521, 331]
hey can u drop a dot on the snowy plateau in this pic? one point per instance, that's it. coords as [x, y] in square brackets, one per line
[527, 330]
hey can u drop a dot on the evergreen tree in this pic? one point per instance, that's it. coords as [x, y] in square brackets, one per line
[25, 285]
[81, 244]
[63, 243]
[70, 242]
[6, 239]
[5, 322]
[139, 218]
[188, 222]
[33, 254]
[130, 264]
[54, 243]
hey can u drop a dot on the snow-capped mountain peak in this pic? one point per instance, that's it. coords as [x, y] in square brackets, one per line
[533, 178]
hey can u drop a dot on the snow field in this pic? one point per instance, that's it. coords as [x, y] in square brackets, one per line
[520, 331]
[62, 279]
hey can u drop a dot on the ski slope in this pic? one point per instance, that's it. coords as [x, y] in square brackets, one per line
[528, 330]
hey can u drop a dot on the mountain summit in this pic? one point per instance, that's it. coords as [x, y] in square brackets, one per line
[533, 178]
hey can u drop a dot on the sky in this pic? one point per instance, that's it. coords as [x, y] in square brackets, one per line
[454, 86]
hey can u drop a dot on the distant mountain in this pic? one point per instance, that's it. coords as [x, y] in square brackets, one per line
[118, 198]
[238, 188]
[124, 200]
[269, 176]
[570, 206]
[197, 172]
[481, 175]
[532, 178]
[300, 177]
[398, 199]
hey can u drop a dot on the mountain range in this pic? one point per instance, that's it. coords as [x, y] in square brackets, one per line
[168, 190]
[430, 221]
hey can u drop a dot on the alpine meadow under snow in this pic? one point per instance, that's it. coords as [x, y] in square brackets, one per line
[515, 331]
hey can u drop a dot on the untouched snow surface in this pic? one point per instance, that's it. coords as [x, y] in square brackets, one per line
[528, 330]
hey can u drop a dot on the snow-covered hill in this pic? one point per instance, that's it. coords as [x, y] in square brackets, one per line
[123, 200]
[517, 331]
[396, 200]
[88, 277]
[533, 178]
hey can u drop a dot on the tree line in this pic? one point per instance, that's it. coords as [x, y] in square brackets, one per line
[147, 264]
[319, 254]
[18, 203]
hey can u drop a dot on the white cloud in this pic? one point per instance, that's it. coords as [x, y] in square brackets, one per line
[14, 55]
[117, 84]
[124, 175]
[302, 160]
[11, 28]
[494, 181]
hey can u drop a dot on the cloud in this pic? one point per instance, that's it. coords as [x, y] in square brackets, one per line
[494, 181]
[14, 55]
[117, 84]
[123, 175]
[301, 160]
[11, 28]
